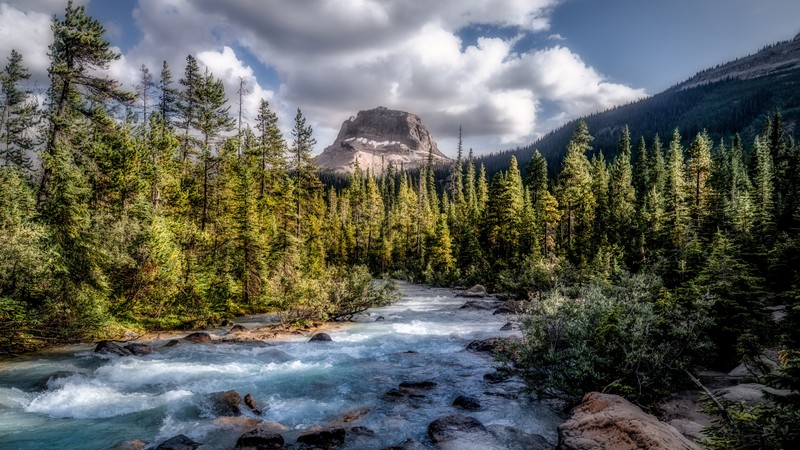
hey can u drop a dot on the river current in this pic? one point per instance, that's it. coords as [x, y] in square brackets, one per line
[105, 400]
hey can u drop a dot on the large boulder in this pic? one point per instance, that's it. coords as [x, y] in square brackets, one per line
[198, 337]
[226, 403]
[477, 291]
[179, 442]
[751, 394]
[480, 305]
[259, 440]
[112, 348]
[604, 421]
[467, 403]
[138, 349]
[458, 431]
[320, 337]
[325, 438]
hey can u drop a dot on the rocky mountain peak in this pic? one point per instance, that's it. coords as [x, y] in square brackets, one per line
[375, 137]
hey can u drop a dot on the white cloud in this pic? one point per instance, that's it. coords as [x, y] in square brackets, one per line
[28, 32]
[556, 37]
[335, 57]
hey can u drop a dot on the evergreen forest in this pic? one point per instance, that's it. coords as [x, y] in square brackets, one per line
[156, 209]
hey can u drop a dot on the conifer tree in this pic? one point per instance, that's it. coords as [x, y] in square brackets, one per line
[698, 172]
[168, 99]
[18, 115]
[271, 147]
[675, 204]
[763, 188]
[145, 89]
[575, 196]
[621, 195]
[187, 106]
[78, 55]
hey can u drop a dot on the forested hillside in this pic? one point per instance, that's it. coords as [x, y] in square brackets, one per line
[720, 101]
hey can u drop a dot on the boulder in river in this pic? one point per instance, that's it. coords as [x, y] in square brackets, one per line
[112, 348]
[492, 345]
[138, 349]
[325, 438]
[380, 319]
[609, 421]
[226, 403]
[408, 444]
[44, 383]
[460, 431]
[237, 329]
[198, 337]
[259, 440]
[468, 403]
[179, 442]
[173, 343]
[133, 444]
[251, 403]
[480, 305]
[320, 337]
[477, 291]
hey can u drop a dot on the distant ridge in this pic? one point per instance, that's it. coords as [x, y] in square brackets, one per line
[735, 97]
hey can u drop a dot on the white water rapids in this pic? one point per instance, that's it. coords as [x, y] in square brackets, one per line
[300, 384]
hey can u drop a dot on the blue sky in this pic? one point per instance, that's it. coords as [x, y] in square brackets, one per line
[508, 71]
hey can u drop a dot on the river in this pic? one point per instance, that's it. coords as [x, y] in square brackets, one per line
[300, 384]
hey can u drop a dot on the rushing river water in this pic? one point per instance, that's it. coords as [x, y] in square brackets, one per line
[300, 384]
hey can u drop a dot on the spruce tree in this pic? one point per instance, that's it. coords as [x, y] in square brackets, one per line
[698, 172]
[575, 196]
[19, 115]
[169, 96]
[187, 105]
[621, 196]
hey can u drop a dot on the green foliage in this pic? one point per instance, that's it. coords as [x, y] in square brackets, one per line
[632, 338]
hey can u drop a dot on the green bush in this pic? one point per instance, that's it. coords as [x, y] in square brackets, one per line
[632, 339]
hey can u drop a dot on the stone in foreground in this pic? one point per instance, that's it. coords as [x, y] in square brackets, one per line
[604, 421]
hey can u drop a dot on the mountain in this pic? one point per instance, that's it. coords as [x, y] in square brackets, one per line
[735, 97]
[375, 137]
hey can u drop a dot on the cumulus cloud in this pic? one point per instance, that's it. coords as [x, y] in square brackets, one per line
[335, 57]
[27, 31]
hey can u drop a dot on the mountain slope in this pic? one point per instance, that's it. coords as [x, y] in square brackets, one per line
[735, 97]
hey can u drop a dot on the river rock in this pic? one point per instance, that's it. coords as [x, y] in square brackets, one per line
[477, 291]
[325, 438]
[226, 403]
[112, 348]
[259, 440]
[480, 305]
[512, 307]
[604, 421]
[352, 415]
[509, 327]
[179, 442]
[237, 329]
[468, 403]
[239, 423]
[458, 431]
[363, 431]
[251, 403]
[44, 383]
[492, 345]
[138, 349]
[498, 376]
[380, 319]
[198, 337]
[173, 343]
[320, 337]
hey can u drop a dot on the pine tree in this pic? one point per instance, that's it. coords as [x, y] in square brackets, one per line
[78, 55]
[168, 100]
[621, 196]
[211, 119]
[575, 196]
[145, 88]
[763, 188]
[675, 204]
[271, 148]
[19, 115]
[602, 216]
[698, 171]
[187, 105]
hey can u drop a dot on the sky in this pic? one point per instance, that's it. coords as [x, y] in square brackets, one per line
[506, 71]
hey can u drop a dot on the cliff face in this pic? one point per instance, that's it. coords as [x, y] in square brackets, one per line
[375, 137]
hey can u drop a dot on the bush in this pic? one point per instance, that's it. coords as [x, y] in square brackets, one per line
[633, 339]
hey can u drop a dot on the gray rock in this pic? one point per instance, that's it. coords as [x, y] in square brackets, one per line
[458, 431]
[179, 442]
[259, 440]
[138, 349]
[477, 291]
[326, 438]
[226, 403]
[418, 385]
[173, 343]
[320, 337]
[112, 348]
[380, 136]
[514, 439]
[236, 329]
[44, 383]
[751, 394]
[467, 403]
[198, 337]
